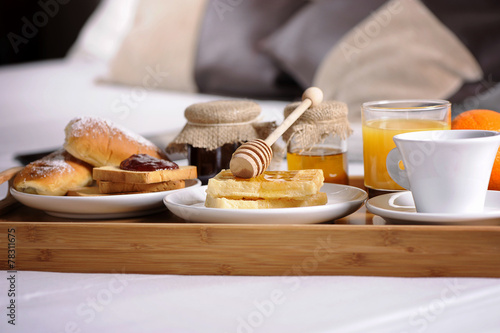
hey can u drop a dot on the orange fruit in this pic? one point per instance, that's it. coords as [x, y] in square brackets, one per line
[479, 119]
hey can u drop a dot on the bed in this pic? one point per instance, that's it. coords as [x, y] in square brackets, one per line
[38, 99]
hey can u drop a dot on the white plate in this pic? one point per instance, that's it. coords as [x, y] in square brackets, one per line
[99, 207]
[342, 201]
[399, 207]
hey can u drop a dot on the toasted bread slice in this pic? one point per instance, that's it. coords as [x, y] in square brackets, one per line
[113, 187]
[115, 174]
[269, 185]
[84, 191]
[313, 200]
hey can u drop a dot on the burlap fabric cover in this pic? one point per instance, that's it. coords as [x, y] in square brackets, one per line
[213, 124]
[316, 123]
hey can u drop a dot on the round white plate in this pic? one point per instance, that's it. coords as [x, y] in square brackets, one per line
[99, 207]
[342, 201]
[399, 207]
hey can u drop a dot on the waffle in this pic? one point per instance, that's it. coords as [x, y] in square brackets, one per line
[296, 184]
[317, 199]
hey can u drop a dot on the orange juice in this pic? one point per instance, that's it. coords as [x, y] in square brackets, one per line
[332, 161]
[377, 142]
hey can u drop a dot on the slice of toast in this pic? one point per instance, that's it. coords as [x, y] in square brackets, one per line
[84, 191]
[313, 200]
[269, 185]
[115, 174]
[114, 187]
[92, 191]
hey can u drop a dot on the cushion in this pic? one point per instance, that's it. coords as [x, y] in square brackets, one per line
[476, 24]
[302, 42]
[159, 51]
[230, 60]
[103, 33]
[401, 51]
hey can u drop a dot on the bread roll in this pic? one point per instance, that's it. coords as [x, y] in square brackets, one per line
[53, 174]
[101, 143]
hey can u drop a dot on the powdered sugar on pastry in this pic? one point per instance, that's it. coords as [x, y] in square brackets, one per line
[53, 174]
[100, 142]
[52, 163]
[96, 126]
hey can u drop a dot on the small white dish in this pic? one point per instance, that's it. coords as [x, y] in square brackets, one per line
[400, 208]
[99, 207]
[342, 201]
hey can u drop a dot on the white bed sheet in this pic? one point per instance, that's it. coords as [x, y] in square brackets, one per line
[55, 302]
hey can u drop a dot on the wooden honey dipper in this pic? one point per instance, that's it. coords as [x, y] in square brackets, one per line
[252, 158]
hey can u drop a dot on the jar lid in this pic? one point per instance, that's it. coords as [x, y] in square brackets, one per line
[318, 122]
[222, 112]
[215, 123]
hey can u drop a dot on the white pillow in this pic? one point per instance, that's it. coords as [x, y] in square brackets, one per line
[105, 30]
[160, 49]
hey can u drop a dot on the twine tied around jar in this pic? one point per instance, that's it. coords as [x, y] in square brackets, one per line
[318, 122]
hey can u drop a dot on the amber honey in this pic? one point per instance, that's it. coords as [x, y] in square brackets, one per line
[332, 161]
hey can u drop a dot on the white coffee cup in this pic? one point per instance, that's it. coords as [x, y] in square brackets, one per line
[447, 171]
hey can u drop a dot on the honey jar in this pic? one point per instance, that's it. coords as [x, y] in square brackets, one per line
[318, 140]
[213, 132]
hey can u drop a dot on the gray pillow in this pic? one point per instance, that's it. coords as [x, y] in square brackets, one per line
[304, 41]
[229, 60]
[301, 44]
[477, 25]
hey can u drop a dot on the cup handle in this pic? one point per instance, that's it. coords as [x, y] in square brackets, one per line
[398, 175]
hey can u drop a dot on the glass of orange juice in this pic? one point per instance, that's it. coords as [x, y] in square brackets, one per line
[381, 120]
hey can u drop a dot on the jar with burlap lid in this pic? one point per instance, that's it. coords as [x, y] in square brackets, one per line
[213, 132]
[318, 140]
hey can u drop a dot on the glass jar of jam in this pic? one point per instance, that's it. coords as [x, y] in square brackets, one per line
[213, 132]
[210, 162]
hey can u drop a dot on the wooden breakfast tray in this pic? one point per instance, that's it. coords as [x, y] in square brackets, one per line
[164, 244]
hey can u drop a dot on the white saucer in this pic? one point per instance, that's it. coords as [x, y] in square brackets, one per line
[399, 207]
[99, 207]
[342, 201]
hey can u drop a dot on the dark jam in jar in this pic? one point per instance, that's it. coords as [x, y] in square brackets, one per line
[210, 162]
[144, 162]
